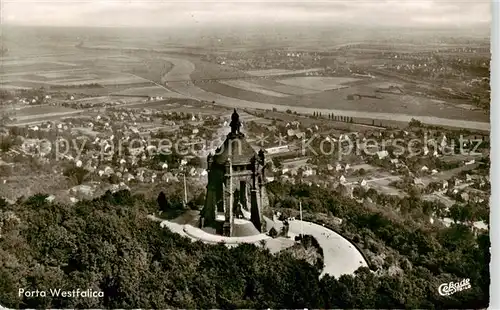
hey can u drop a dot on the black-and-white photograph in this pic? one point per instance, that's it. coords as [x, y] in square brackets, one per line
[245, 154]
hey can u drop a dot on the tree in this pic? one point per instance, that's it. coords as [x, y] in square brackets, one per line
[139, 264]
[415, 123]
[273, 233]
[6, 143]
[77, 175]
[113, 179]
[277, 162]
[162, 201]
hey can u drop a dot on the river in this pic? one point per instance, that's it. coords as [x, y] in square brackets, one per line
[182, 69]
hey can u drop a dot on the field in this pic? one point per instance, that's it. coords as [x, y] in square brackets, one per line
[39, 110]
[318, 83]
[206, 71]
[87, 72]
[163, 105]
[37, 75]
[241, 84]
[278, 72]
[38, 114]
[385, 84]
[134, 72]
[29, 66]
[150, 91]
[317, 92]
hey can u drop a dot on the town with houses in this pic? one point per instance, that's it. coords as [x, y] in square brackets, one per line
[117, 145]
[273, 166]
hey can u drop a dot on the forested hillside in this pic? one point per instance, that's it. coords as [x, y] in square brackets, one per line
[109, 245]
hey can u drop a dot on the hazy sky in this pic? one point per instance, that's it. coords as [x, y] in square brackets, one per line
[164, 13]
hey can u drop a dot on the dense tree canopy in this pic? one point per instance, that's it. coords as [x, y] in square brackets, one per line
[445, 254]
[109, 245]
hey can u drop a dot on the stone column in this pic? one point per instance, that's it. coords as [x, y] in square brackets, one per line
[228, 199]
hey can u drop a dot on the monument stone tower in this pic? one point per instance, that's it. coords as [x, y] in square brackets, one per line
[235, 187]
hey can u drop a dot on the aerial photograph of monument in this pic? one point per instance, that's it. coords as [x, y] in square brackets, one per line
[245, 154]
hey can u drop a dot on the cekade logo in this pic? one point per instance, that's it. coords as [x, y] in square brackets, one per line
[447, 289]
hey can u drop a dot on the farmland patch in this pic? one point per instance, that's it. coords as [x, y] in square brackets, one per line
[278, 72]
[205, 70]
[12, 87]
[33, 67]
[318, 83]
[253, 88]
[385, 85]
[282, 88]
[165, 105]
[151, 91]
[43, 109]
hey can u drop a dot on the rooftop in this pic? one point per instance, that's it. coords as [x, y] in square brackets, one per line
[235, 146]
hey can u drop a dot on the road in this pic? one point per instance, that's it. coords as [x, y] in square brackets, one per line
[391, 178]
[183, 68]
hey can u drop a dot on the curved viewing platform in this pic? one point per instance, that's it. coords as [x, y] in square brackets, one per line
[210, 238]
[340, 256]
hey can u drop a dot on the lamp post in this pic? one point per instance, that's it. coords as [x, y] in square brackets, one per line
[301, 222]
[185, 189]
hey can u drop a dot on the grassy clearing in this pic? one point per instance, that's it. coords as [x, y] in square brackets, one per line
[277, 72]
[282, 88]
[145, 91]
[245, 85]
[205, 70]
[31, 184]
[41, 66]
[43, 109]
[317, 83]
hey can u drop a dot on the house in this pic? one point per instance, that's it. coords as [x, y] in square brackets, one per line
[108, 171]
[309, 172]
[418, 181]
[382, 154]
[82, 190]
[445, 184]
[128, 177]
[278, 149]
